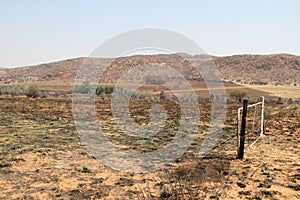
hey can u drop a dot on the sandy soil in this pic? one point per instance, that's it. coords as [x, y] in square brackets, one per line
[286, 91]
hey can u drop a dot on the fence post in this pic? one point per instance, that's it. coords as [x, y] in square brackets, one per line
[241, 141]
[262, 115]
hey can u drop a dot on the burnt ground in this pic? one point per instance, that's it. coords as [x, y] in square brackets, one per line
[42, 156]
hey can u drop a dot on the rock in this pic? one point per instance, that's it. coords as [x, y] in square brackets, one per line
[241, 185]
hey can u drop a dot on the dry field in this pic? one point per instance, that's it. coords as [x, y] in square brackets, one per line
[284, 91]
[42, 157]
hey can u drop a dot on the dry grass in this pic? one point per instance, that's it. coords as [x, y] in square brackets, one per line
[42, 157]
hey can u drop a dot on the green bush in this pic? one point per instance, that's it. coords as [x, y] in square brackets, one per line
[103, 89]
[237, 95]
[14, 90]
[85, 88]
[82, 89]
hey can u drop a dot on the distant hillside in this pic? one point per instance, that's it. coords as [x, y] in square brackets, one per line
[61, 70]
[278, 69]
[275, 69]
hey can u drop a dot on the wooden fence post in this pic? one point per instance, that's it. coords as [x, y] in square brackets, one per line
[241, 141]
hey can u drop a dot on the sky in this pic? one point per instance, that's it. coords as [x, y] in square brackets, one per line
[34, 32]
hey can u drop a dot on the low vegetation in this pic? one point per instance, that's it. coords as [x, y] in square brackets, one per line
[33, 92]
[14, 90]
[40, 148]
[86, 88]
[237, 95]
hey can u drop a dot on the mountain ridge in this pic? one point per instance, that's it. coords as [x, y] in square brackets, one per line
[274, 69]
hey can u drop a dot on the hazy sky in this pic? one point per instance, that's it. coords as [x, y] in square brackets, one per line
[34, 32]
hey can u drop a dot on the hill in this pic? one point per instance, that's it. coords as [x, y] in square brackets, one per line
[278, 69]
[275, 69]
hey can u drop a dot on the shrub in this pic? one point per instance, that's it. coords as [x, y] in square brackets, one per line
[17, 90]
[294, 186]
[103, 89]
[5, 89]
[258, 83]
[237, 95]
[44, 95]
[33, 91]
[153, 79]
[84, 88]
[14, 90]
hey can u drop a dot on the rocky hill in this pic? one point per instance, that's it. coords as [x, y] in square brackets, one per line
[277, 69]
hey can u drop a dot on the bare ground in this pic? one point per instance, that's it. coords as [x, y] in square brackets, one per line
[42, 157]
